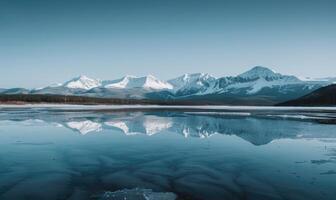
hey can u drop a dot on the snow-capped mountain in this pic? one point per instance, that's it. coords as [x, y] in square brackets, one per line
[257, 86]
[247, 83]
[146, 82]
[82, 82]
[256, 79]
[192, 83]
[260, 72]
[75, 86]
[126, 87]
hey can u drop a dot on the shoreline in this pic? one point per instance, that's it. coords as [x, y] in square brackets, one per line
[167, 107]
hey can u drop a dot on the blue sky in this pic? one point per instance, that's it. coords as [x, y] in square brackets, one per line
[47, 41]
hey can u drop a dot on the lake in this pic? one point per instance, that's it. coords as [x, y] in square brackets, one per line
[166, 153]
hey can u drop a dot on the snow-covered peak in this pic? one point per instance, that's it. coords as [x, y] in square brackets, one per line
[192, 80]
[146, 82]
[152, 82]
[257, 79]
[119, 83]
[82, 82]
[190, 77]
[260, 72]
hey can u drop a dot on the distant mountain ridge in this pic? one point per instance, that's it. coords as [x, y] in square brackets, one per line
[257, 86]
[147, 82]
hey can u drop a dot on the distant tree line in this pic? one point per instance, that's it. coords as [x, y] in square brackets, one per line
[69, 99]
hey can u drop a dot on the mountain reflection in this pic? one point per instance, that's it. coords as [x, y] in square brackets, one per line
[256, 130]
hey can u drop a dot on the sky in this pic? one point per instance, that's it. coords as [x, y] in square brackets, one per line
[48, 41]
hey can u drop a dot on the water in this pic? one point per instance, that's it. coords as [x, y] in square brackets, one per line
[60, 153]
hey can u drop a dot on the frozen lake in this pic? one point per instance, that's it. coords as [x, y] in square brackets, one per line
[154, 152]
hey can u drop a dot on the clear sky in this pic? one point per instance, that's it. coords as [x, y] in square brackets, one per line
[48, 41]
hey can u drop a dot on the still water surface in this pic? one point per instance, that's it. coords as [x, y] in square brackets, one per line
[86, 154]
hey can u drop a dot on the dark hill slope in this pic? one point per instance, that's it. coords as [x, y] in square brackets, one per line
[325, 96]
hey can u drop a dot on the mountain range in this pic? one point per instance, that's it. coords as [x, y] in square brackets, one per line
[257, 86]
